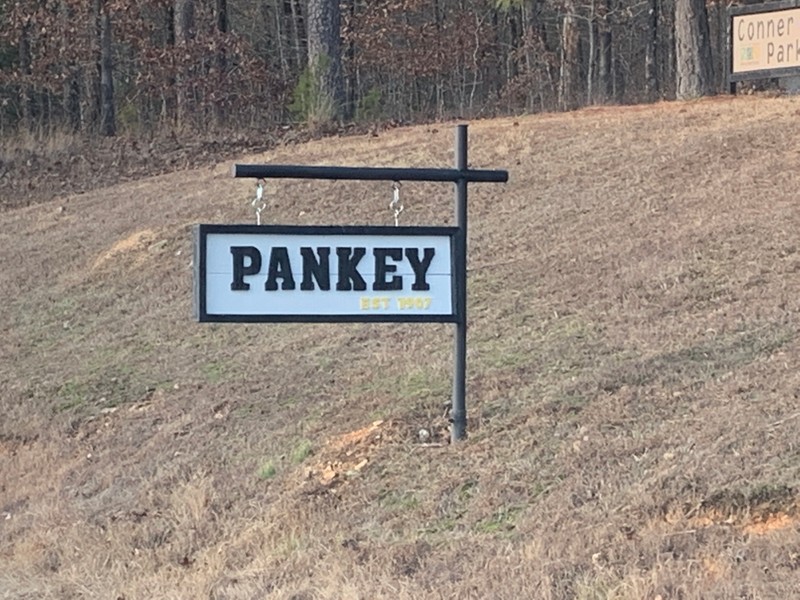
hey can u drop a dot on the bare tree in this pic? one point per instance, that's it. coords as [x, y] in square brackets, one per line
[71, 71]
[650, 53]
[325, 61]
[605, 61]
[570, 59]
[25, 60]
[108, 120]
[694, 70]
[222, 26]
[184, 34]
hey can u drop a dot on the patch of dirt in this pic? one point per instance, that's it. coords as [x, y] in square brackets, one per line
[771, 523]
[758, 513]
[348, 454]
[136, 242]
[752, 524]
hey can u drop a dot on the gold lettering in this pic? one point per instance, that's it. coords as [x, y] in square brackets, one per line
[374, 302]
[414, 302]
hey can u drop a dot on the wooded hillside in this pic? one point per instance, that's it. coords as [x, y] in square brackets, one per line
[137, 66]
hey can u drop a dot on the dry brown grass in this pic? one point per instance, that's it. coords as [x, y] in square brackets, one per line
[634, 369]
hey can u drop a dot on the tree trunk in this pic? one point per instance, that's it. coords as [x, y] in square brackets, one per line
[352, 92]
[222, 15]
[108, 121]
[26, 95]
[650, 56]
[72, 100]
[184, 21]
[605, 67]
[280, 37]
[517, 35]
[570, 60]
[590, 63]
[184, 33]
[222, 25]
[71, 89]
[694, 71]
[325, 61]
[298, 28]
[545, 69]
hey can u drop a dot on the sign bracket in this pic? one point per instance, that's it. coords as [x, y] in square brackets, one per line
[461, 175]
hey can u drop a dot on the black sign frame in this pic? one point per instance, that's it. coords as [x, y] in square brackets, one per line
[202, 231]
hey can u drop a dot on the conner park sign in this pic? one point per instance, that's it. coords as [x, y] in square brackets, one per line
[764, 41]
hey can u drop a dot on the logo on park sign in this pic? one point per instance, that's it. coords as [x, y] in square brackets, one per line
[251, 273]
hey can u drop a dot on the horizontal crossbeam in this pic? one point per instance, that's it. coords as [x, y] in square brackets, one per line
[368, 173]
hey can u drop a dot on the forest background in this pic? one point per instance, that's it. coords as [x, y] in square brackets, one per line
[196, 78]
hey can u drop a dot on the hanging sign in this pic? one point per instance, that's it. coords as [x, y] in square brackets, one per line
[255, 273]
[267, 273]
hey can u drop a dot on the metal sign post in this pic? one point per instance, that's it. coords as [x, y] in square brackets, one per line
[246, 258]
[458, 412]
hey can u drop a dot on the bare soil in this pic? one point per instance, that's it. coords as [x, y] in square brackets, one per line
[634, 373]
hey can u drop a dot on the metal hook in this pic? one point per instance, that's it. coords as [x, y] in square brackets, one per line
[396, 205]
[258, 202]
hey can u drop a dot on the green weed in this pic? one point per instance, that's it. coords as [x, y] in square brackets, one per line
[399, 501]
[301, 451]
[501, 521]
[267, 470]
[214, 372]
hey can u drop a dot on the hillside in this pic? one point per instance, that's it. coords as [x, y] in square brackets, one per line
[633, 380]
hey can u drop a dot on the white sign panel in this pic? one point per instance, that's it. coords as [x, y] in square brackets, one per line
[276, 273]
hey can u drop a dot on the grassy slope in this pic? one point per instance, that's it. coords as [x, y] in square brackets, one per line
[633, 379]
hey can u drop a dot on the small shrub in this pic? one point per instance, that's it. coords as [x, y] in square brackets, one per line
[267, 470]
[309, 103]
[369, 107]
[301, 452]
